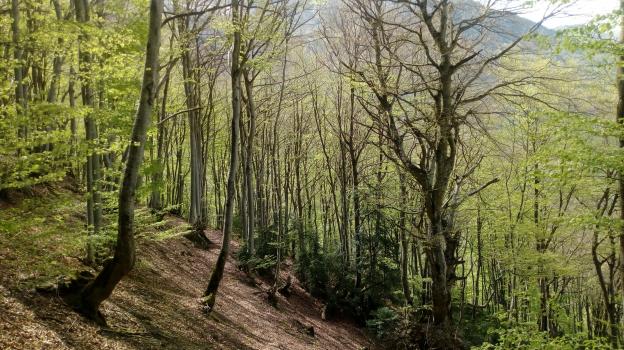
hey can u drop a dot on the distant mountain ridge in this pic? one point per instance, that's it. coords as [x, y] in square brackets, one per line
[506, 28]
[502, 30]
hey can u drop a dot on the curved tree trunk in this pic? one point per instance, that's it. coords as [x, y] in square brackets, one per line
[114, 270]
[217, 273]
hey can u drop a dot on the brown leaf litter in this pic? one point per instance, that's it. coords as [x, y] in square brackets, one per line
[158, 307]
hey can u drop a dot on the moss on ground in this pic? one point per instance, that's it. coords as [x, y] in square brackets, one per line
[42, 237]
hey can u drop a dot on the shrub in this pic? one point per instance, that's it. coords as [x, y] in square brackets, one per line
[526, 338]
[383, 322]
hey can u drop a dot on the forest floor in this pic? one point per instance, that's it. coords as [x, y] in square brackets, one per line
[158, 305]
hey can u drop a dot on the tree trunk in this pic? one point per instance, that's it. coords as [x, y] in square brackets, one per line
[196, 213]
[73, 125]
[404, 242]
[114, 270]
[355, 179]
[248, 178]
[297, 198]
[57, 62]
[217, 273]
[604, 208]
[94, 207]
[344, 201]
[156, 202]
[440, 290]
[620, 121]
[20, 97]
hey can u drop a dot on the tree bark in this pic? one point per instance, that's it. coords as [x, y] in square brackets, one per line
[57, 61]
[196, 212]
[217, 273]
[606, 287]
[123, 261]
[20, 97]
[297, 198]
[404, 241]
[73, 124]
[354, 156]
[251, 112]
[620, 121]
[156, 195]
[93, 173]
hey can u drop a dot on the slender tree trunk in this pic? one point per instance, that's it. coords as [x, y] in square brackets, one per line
[298, 154]
[478, 302]
[620, 121]
[344, 201]
[20, 97]
[114, 270]
[73, 124]
[251, 112]
[261, 200]
[217, 182]
[242, 181]
[330, 173]
[541, 248]
[94, 207]
[287, 189]
[57, 64]
[178, 198]
[217, 273]
[355, 179]
[607, 288]
[156, 196]
[57, 61]
[277, 183]
[404, 241]
[196, 213]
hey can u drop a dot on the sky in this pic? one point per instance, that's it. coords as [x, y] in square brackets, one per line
[578, 13]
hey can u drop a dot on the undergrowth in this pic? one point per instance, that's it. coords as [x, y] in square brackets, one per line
[42, 237]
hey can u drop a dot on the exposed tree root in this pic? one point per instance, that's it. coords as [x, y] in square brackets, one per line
[198, 237]
[285, 289]
[70, 288]
[208, 302]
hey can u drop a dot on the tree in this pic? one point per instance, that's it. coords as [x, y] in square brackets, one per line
[620, 121]
[100, 288]
[92, 171]
[192, 83]
[236, 73]
[20, 98]
[425, 96]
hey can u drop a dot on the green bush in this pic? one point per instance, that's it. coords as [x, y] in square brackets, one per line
[383, 322]
[525, 338]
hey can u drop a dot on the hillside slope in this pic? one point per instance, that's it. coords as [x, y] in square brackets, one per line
[157, 306]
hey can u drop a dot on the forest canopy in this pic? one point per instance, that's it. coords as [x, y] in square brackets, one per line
[445, 174]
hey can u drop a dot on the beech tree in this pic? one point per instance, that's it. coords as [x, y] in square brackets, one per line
[100, 288]
[236, 73]
[425, 97]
